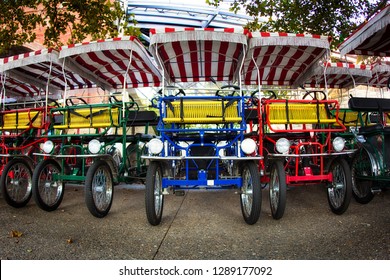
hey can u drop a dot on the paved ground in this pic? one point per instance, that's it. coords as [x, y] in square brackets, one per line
[200, 225]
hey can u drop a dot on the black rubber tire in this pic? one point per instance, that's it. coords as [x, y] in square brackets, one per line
[250, 197]
[361, 189]
[340, 192]
[154, 198]
[16, 182]
[99, 176]
[42, 192]
[277, 190]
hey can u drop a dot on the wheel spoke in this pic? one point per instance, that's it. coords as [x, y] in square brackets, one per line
[247, 192]
[102, 189]
[18, 183]
[49, 188]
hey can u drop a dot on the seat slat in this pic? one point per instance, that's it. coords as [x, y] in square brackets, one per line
[202, 111]
[21, 120]
[298, 113]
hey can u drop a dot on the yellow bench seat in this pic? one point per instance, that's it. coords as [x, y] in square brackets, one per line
[348, 117]
[94, 117]
[202, 112]
[298, 113]
[21, 120]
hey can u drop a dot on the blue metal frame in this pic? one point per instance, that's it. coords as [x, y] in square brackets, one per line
[222, 139]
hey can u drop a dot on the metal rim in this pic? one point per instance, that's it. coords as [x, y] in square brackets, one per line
[274, 190]
[158, 196]
[49, 188]
[102, 188]
[19, 182]
[247, 192]
[362, 167]
[338, 191]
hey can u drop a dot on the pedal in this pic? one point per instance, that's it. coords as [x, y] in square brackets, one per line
[165, 192]
[376, 191]
[179, 192]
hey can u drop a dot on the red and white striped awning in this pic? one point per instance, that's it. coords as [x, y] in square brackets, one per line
[31, 73]
[198, 55]
[113, 63]
[282, 59]
[339, 75]
[372, 38]
[16, 88]
[380, 75]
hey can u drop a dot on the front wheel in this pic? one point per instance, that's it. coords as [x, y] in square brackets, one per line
[99, 189]
[340, 192]
[277, 190]
[250, 197]
[48, 189]
[154, 198]
[361, 169]
[16, 183]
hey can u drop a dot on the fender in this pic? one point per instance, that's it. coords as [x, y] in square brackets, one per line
[28, 160]
[109, 159]
[376, 158]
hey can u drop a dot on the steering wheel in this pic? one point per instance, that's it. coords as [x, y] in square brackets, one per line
[314, 95]
[255, 100]
[272, 94]
[179, 92]
[227, 87]
[51, 100]
[154, 102]
[72, 103]
[113, 100]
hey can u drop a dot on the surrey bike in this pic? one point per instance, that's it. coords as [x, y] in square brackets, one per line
[202, 143]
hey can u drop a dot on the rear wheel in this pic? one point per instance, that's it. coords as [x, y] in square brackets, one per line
[99, 189]
[16, 183]
[48, 189]
[277, 190]
[154, 198]
[362, 187]
[250, 197]
[340, 192]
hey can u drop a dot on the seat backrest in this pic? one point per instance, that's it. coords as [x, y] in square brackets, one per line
[202, 111]
[21, 119]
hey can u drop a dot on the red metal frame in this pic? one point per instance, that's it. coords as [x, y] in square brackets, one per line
[296, 174]
[6, 149]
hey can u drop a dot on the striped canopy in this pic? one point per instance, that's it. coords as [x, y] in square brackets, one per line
[17, 88]
[339, 75]
[372, 38]
[29, 74]
[380, 75]
[113, 63]
[282, 59]
[198, 55]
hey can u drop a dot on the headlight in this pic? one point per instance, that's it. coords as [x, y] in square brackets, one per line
[155, 146]
[338, 144]
[48, 147]
[283, 145]
[248, 146]
[94, 146]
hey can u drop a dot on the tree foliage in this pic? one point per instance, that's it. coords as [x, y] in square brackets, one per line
[17, 24]
[334, 18]
[80, 19]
